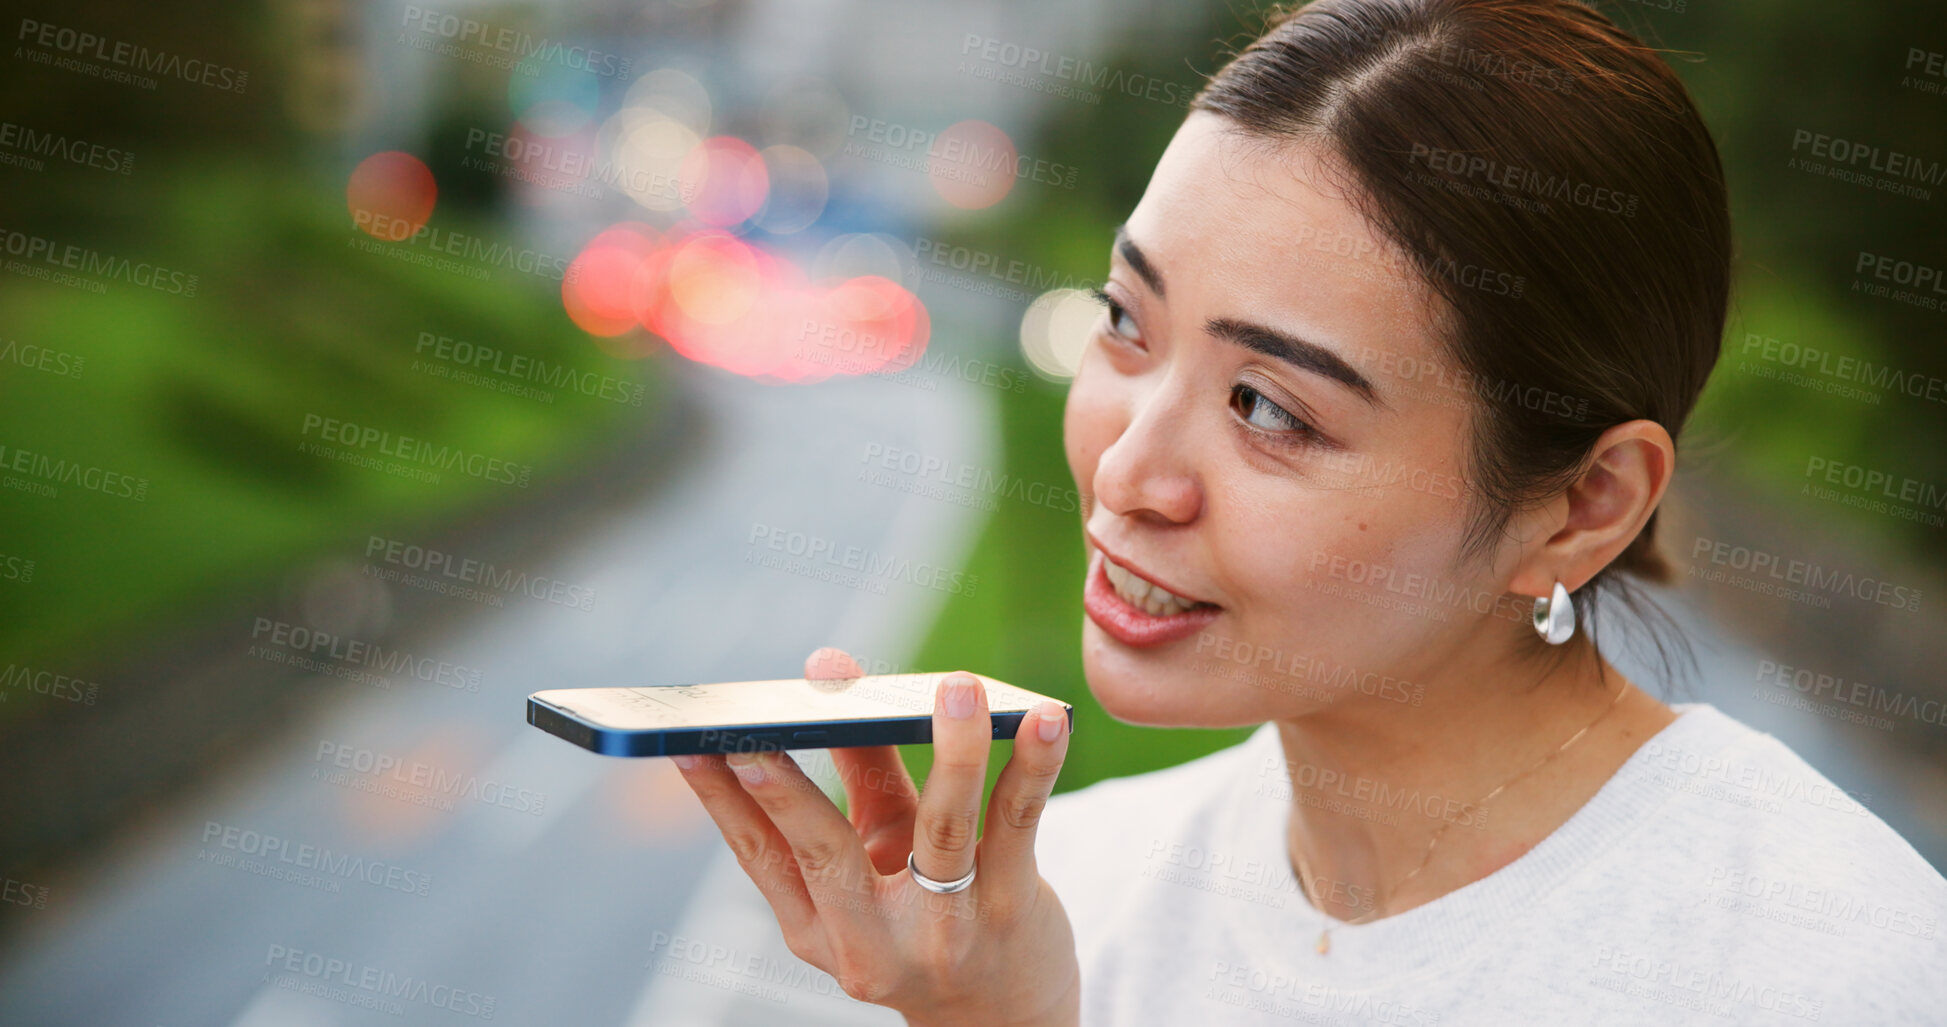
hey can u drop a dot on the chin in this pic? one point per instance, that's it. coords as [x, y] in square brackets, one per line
[1153, 687]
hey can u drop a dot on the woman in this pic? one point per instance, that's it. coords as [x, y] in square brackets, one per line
[1383, 401]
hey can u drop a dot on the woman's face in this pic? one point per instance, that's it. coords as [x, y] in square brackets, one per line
[1262, 426]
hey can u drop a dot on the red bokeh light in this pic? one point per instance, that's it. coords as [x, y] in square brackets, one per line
[597, 290]
[719, 300]
[869, 324]
[391, 195]
[715, 300]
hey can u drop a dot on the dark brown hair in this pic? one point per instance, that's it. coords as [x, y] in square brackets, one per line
[1549, 176]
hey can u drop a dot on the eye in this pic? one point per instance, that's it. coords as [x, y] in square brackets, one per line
[1120, 323]
[1269, 419]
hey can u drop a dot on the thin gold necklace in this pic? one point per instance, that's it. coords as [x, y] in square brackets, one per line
[1305, 870]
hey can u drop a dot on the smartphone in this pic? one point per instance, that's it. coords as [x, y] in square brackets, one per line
[751, 716]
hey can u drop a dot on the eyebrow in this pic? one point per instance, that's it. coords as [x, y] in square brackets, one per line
[1131, 253]
[1308, 356]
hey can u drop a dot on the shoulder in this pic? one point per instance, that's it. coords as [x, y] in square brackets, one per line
[1762, 860]
[1747, 788]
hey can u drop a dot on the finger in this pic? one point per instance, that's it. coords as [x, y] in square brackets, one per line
[946, 828]
[759, 847]
[1020, 794]
[830, 664]
[837, 873]
[882, 800]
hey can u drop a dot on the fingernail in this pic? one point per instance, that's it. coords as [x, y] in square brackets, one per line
[685, 762]
[746, 767]
[960, 697]
[1051, 721]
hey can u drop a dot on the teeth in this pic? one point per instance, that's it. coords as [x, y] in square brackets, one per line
[1155, 601]
[1132, 588]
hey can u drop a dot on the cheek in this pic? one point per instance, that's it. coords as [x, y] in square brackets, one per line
[1285, 558]
[1294, 555]
[1091, 422]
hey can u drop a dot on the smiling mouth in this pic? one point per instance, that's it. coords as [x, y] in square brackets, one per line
[1145, 595]
[1136, 611]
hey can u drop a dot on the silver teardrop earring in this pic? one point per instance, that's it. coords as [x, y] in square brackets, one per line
[1555, 616]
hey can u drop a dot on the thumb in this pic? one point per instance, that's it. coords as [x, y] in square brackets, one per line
[878, 789]
[830, 664]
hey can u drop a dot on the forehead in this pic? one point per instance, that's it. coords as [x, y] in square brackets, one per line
[1241, 226]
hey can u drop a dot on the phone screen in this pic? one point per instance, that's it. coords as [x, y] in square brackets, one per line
[786, 701]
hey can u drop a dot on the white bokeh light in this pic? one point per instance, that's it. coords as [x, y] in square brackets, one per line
[1055, 329]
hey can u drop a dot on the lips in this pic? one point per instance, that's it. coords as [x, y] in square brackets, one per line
[1136, 611]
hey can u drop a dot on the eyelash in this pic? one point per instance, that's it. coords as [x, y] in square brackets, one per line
[1300, 434]
[1116, 312]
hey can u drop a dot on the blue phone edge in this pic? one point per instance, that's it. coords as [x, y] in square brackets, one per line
[834, 734]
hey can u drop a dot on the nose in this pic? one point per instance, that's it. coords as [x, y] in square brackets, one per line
[1146, 473]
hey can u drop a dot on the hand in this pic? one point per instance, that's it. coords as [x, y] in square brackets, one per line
[1000, 952]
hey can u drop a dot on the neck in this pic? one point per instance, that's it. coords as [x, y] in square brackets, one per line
[1374, 783]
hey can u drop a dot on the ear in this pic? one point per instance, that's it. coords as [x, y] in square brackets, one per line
[1582, 530]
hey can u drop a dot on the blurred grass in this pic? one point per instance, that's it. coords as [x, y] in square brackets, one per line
[205, 397]
[1761, 430]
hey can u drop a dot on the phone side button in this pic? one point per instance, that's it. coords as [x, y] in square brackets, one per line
[817, 737]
